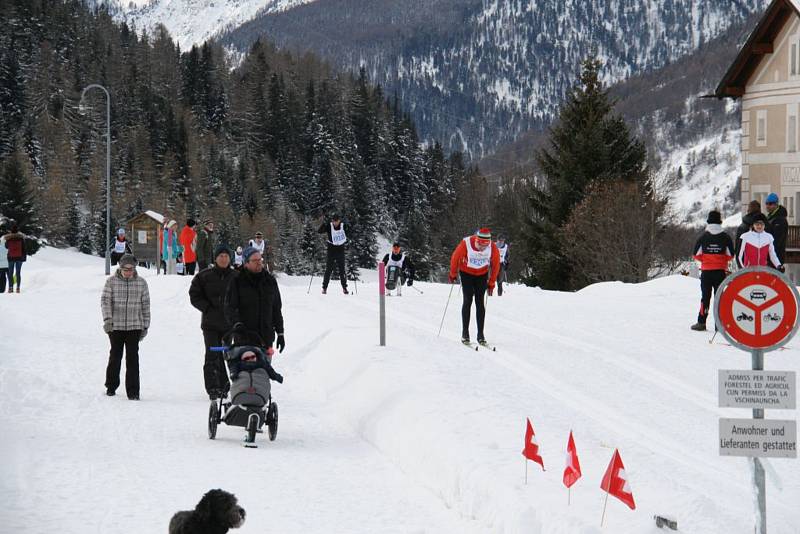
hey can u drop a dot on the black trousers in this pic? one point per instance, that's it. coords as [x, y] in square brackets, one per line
[116, 256]
[474, 288]
[3, 277]
[335, 255]
[501, 273]
[128, 340]
[709, 281]
[188, 268]
[215, 373]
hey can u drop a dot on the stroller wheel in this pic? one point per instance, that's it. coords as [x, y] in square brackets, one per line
[272, 420]
[213, 419]
[253, 422]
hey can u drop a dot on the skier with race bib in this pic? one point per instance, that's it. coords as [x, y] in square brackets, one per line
[477, 260]
[399, 269]
[120, 247]
[336, 239]
[502, 247]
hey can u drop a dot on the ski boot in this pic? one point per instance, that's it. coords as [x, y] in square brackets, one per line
[346, 292]
[698, 327]
[324, 291]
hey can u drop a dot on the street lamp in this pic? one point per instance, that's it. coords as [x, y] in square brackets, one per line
[108, 169]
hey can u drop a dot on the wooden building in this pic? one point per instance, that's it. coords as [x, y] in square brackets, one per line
[144, 231]
[766, 77]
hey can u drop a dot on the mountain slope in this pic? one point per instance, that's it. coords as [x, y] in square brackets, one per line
[491, 69]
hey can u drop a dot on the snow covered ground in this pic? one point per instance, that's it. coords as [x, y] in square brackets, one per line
[422, 436]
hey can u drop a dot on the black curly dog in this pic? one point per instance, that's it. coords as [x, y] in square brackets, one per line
[216, 512]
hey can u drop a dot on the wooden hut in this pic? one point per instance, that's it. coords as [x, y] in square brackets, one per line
[145, 237]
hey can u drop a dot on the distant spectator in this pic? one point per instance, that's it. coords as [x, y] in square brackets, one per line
[170, 248]
[120, 247]
[15, 243]
[238, 259]
[753, 209]
[777, 226]
[180, 267]
[205, 245]
[758, 246]
[4, 274]
[126, 317]
[188, 240]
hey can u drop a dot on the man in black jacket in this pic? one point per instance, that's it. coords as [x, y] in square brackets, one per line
[336, 238]
[207, 294]
[253, 301]
[753, 209]
[777, 225]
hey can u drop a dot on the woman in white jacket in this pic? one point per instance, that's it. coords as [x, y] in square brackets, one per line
[758, 246]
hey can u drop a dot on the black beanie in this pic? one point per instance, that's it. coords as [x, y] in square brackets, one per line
[714, 217]
[758, 217]
[220, 249]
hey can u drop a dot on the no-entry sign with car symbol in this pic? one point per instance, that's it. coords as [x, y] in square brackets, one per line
[756, 309]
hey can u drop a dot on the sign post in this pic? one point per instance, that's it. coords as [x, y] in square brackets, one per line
[756, 311]
[382, 299]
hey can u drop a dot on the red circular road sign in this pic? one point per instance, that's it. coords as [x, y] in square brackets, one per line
[757, 309]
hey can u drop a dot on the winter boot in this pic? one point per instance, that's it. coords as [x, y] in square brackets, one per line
[346, 292]
[699, 327]
[324, 291]
[465, 340]
[110, 392]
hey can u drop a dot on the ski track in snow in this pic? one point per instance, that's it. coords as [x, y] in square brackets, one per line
[421, 436]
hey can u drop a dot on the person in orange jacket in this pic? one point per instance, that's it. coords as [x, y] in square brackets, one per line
[477, 260]
[188, 240]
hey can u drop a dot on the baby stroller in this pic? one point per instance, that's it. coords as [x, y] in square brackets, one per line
[251, 404]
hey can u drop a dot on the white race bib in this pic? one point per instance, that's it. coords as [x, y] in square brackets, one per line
[477, 259]
[338, 237]
[396, 263]
[119, 246]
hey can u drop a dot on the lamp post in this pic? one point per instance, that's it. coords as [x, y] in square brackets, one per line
[108, 169]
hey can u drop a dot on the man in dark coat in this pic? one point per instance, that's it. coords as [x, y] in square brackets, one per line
[253, 301]
[753, 209]
[777, 225]
[205, 245]
[207, 294]
[336, 239]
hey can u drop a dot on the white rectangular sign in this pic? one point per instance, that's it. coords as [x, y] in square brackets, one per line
[142, 236]
[757, 389]
[763, 438]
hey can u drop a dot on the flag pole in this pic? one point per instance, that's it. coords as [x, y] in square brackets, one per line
[604, 509]
[526, 471]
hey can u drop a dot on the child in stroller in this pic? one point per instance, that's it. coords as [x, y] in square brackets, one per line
[251, 405]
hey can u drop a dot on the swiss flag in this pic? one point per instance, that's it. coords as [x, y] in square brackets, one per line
[573, 470]
[531, 450]
[615, 481]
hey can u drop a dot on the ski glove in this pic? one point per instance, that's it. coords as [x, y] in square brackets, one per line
[108, 326]
[491, 290]
[782, 268]
[143, 334]
[410, 281]
[452, 279]
[280, 343]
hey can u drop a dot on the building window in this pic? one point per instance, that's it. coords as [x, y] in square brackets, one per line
[788, 203]
[761, 127]
[791, 128]
[793, 64]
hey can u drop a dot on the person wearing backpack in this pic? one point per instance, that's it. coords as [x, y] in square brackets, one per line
[15, 243]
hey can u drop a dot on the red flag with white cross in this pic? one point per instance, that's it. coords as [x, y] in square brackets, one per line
[572, 472]
[615, 481]
[531, 450]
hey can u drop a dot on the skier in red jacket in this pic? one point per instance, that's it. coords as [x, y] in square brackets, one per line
[714, 250]
[477, 261]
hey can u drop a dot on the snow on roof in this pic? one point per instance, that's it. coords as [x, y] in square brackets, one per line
[153, 215]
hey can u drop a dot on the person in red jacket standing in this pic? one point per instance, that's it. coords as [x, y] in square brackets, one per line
[477, 260]
[188, 239]
[714, 250]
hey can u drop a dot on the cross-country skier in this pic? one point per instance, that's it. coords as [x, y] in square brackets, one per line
[336, 239]
[399, 269]
[120, 247]
[502, 247]
[714, 250]
[477, 260]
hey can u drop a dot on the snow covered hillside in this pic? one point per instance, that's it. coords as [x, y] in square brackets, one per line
[192, 22]
[421, 436]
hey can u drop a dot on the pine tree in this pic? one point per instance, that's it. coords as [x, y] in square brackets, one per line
[587, 144]
[16, 197]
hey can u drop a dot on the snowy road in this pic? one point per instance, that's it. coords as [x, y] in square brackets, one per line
[421, 436]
